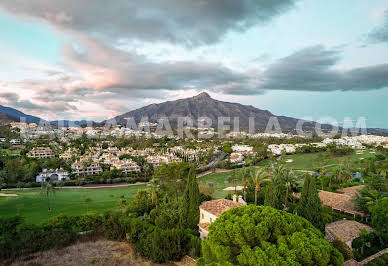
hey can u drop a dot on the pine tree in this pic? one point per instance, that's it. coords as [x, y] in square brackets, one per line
[189, 209]
[310, 204]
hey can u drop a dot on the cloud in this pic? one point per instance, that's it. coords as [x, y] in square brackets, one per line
[314, 69]
[14, 100]
[380, 34]
[187, 22]
[91, 64]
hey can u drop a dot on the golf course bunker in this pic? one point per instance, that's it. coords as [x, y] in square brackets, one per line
[232, 188]
[7, 195]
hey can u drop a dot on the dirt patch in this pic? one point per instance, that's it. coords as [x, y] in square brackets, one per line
[99, 252]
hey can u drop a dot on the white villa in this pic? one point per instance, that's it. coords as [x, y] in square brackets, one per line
[52, 175]
[209, 211]
[242, 148]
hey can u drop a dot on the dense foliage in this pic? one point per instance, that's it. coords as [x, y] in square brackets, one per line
[309, 206]
[254, 235]
[382, 260]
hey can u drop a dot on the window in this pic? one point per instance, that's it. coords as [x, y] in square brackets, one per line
[211, 220]
[203, 216]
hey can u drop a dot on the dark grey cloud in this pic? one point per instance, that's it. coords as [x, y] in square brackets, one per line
[314, 69]
[380, 34]
[188, 22]
[43, 102]
[14, 100]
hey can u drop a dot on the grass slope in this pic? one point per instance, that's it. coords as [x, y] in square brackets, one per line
[32, 204]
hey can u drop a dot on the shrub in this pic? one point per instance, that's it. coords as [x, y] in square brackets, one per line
[112, 226]
[164, 245]
[90, 221]
[343, 248]
[195, 246]
[19, 238]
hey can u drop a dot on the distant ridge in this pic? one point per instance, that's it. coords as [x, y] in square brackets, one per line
[17, 116]
[13, 115]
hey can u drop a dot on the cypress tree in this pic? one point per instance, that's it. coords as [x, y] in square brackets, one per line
[310, 204]
[273, 197]
[189, 209]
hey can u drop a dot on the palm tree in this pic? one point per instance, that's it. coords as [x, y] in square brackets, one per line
[277, 172]
[289, 180]
[342, 173]
[233, 178]
[243, 174]
[259, 176]
[48, 189]
[373, 198]
[154, 186]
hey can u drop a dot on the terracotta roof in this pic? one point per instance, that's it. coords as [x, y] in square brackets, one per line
[204, 226]
[217, 207]
[345, 229]
[351, 191]
[340, 202]
[336, 201]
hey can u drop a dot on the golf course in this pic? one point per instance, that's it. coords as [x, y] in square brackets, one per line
[32, 204]
[299, 162]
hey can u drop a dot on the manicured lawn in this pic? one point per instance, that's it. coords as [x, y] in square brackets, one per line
[32, 204]
[307, 161]
[311, 161]
[217, 181]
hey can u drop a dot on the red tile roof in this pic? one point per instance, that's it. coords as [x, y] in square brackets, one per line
[217, 207]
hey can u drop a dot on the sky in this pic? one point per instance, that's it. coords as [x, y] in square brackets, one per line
[95, 59]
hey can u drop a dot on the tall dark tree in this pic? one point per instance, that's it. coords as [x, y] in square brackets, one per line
[310, 204]
[273, 196]
[189, 209]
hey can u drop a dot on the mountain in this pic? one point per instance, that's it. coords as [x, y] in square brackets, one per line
[17, 116]
[12, 115]
[4, 118]
[69, 123]
[203, 105]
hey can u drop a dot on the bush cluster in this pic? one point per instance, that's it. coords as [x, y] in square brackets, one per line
[152, 242]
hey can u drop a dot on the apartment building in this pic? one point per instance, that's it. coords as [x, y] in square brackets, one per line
[126, 166]
[84, 168]
[41, 153]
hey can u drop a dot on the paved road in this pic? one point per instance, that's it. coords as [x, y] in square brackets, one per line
[216, 160]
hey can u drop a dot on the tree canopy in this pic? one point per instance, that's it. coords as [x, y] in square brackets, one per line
[257, 235]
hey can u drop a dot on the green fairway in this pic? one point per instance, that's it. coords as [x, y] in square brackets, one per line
[307, 161]
[311, 161]
[32, 204]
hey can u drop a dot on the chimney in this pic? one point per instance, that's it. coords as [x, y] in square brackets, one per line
[240, 200]
[234, 198]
